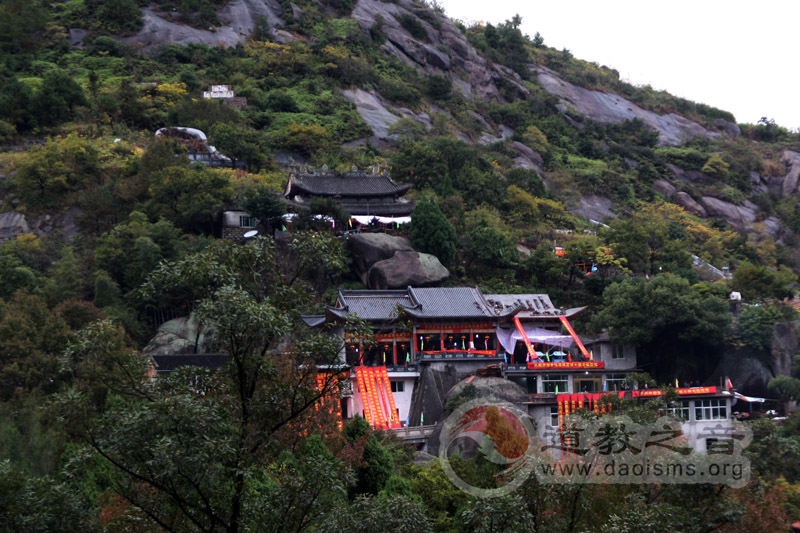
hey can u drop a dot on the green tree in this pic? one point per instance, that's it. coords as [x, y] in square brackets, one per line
[20, 23]
[677, 327]
[16, 101]
[422, 165]
[240, 143]
[212, 437]
[30, 504]
[46, 176]
[754, 327]
[31, 339]
[57, 98]
[202, 114]
[130, 251]
[432, 233]
[117, 16]
[14, 276]
[495, 515]
[786, 388]
[756, 283]
[265, 204]
[191, 198]
[65, 279]
[366, 515]
[491, 246]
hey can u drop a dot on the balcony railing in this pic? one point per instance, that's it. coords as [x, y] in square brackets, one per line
[446, 356]
[402, 368]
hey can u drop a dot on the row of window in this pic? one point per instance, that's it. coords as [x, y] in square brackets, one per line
[438, 342]
[711, 409]
[380, 354]
[556, 383]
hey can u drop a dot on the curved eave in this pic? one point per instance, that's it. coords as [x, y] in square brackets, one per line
[296, 187]
[422, 316]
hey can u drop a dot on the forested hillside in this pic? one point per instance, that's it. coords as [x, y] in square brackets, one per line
[662, 207]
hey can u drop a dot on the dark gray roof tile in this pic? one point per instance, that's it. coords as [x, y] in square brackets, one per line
[345, 185]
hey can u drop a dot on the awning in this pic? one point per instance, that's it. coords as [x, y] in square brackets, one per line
[367, 219]
[290, 216]
[508, 337]
[750, 399]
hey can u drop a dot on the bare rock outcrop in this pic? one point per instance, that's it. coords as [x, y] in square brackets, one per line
[499, 390]
[610, 108]
[238, 20]
[406, 268]
[527, 158]
[664, 188]
[372, 110]
[792, 161]
[427, 53]
[690, 176]
[369, 248]
[749, 373]
[595, 207]
[14, 223]
[742, 218]
[182, 335]
[739, 217]
[730, 128]
[689, 203]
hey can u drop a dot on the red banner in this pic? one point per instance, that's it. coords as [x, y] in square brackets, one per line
[376, 397]
[647, 393]
[577, 365]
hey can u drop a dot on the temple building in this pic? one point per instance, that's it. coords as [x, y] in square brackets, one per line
[425, 340]
[364, 196]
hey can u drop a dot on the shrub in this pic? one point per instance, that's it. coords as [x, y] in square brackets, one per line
[439, 87]
[413, 26]
[117, 16]
[432, 233]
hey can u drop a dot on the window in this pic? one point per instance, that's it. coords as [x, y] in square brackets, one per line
[710, 410]
[680, 411]
[555, 383]
[246, 221]
[429, 342]
[386, 355]
[397, 386]
[619, 352]
[484, 341]
[554, 416]
[372, 356]
[614, 382]
[528, 383]
[352, 353]
[452, 341]
[403, 354]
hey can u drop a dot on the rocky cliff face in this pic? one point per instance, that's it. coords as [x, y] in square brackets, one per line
[444, 50]
[611, 108]
[750, 375]
[238, 20]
